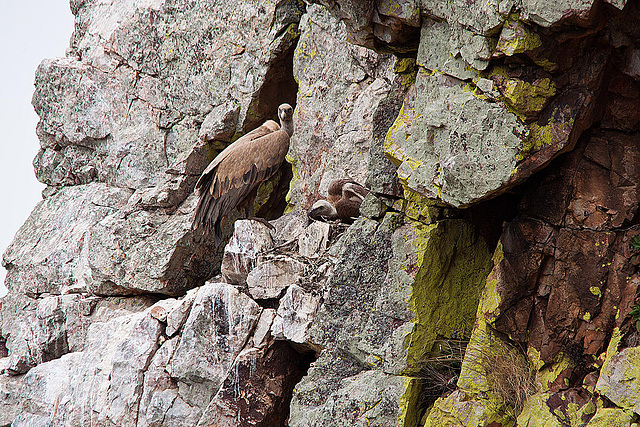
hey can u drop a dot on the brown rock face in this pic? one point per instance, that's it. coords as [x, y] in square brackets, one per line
[567, 269]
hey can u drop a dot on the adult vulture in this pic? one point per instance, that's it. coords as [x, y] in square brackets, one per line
[231, 180]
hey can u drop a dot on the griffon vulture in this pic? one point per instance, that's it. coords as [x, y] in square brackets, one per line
[343, 202]
[232, 178]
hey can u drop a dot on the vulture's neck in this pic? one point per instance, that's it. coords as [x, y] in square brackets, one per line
[287, 125]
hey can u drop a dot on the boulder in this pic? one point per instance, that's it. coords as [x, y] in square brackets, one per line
[220, 318]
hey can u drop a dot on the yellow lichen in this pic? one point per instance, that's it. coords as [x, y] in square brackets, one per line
[551, 371]
[516, 37]
[528, 98]
[546, 135]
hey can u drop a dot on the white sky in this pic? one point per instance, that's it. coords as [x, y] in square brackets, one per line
[30, 30]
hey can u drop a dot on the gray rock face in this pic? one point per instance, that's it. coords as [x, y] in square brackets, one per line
[272, 276]
[340, 87]
[372, 396]
[296, 312]
[220, 318]
[453, 152]
[247, 245]
[105, 376]
[117, 314]
[126, 143]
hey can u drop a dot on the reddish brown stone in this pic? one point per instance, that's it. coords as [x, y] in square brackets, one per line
[567, 266]
[622, 114]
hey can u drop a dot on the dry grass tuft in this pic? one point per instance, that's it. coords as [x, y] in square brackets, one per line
[441, 372]
[509, 377]
[508, 374]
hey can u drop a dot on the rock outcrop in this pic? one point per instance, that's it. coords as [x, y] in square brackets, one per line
[492, 280]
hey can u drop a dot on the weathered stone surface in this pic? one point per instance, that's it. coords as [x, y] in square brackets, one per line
[110, 374]
[179, 313]
[620, 378]
[221, 318]
[452, 49]
[106, 376]
[139, 262]
[272, 276]
[160, 401]
[565, 276]
[340, 87]
[39, 330]
[263, 328]
[314, 240]
[289, 227]
[569, 407]
[35, 330]
[105, 243]
[132, 100]
[258, 388]
[249, 241]
[385, 302]
[295, 313]
[46, 387]
[613, 417]
[458, 153]
[10, 387]
[220, 123]
[152, 90]
[45, 254]
[481, 17]
[457, 127]
[369, 398]
[382, 24]
[457, 409]
[569, 271]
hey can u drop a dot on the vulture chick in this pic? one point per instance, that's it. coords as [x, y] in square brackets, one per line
[343, 202]
[231, 180]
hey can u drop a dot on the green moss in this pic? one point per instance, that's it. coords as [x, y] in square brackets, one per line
[458, 410]
[611, 417]
[404, 65]
[546, 65]
[452, 263]
[418, 207]
[452, 267]
[292, 32]
[537, 413]
[410, 403]
[489, 307]
[612, 349]
[294, 179]
[549, 373]
[392, 150]
[304, 47]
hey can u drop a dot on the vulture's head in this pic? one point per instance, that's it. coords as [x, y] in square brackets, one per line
[285, 112]
[322, 210]
[354, 191]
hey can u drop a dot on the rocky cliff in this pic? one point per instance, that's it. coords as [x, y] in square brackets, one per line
[492, 280]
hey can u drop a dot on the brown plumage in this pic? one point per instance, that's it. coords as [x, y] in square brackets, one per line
[343, 201]
[232, 178]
